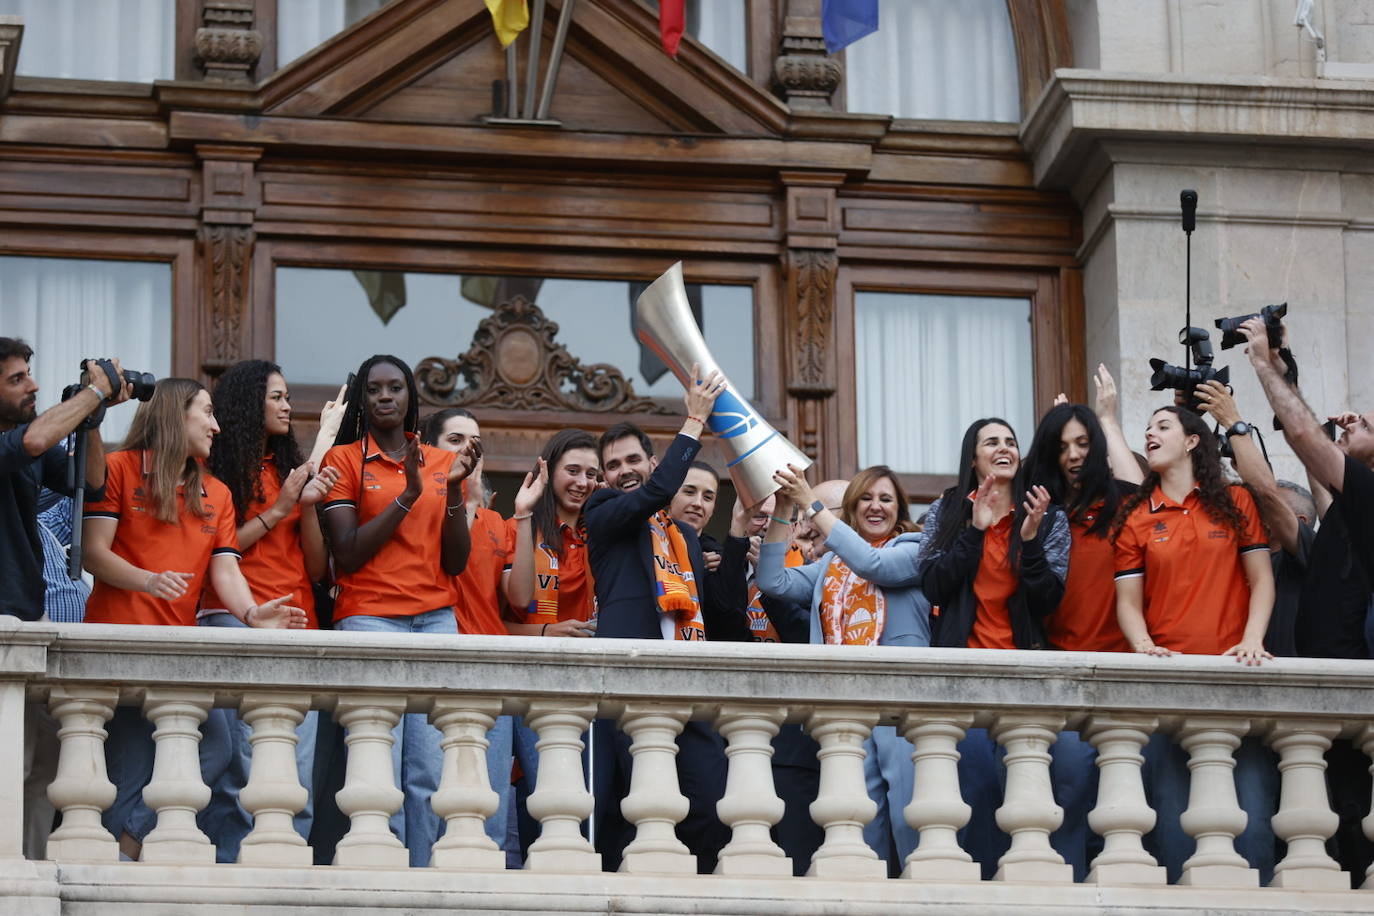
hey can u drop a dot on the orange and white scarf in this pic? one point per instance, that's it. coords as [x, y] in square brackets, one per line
[853, 611]
[676, 586]
[544, 608]
[761, 629]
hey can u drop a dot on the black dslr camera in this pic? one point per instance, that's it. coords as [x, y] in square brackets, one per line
[1273, 323]
[1167, 377]
[143, 384]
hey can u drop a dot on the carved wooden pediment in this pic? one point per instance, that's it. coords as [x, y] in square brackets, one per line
[515, 363]
[434, 62]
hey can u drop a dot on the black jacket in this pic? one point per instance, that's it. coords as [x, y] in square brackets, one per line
[947, 580]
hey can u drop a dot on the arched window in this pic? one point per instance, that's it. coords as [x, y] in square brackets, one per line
[936, 60]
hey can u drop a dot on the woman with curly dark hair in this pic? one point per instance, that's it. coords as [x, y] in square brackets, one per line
[1193, 577]
[1192, 563]
[256, 456]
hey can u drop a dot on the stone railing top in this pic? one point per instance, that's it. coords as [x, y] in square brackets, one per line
[326, 664]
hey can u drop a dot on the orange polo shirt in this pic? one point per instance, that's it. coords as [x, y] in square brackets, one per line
[275, 563]
[1197, 598]
[993, 587]
[1086, 618]
[406, 576]
[157, 546]
[573, 579]
[479, 603]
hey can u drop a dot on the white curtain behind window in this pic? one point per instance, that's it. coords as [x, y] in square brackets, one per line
[69, 310]
[936, 59]
[927, 366]
[720, 25]
[129, 40]
[303, 25]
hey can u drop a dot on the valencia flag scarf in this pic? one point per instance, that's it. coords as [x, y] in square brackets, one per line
[853, 611]
[677, 586]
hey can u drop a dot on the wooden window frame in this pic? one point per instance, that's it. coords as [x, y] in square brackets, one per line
[1056, 340]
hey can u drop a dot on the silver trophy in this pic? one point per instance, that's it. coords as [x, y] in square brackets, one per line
[757, 450]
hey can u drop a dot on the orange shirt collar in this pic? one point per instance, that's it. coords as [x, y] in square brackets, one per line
[373, 451]
[1159, 501]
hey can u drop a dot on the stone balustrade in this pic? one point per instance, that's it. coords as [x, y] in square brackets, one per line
[934, 697]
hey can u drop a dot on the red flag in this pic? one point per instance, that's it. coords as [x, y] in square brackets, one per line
[672, 20]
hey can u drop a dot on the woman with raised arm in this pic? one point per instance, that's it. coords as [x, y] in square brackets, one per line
[549, 584]
[164, 531]
[275, 491]
[397, 526]
[994, 562]
[1193, 577]
[862, 591]
[1081, 457]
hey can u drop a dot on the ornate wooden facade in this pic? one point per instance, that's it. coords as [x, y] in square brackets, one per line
[370, 153]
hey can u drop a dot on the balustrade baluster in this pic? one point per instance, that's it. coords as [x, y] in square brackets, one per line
[1305, 820]
[465, 798]
[370, 795]
[1028, 810]
[1214, 817]
[751, 805]
[274, 792]
[1365, 741]
[937, 808]
[177, 791]
[1122, 816]
[82, 789]
[655, 803]
[842, 806]
[560, 801]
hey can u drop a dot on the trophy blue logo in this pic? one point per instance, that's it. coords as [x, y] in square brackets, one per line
[731, 417]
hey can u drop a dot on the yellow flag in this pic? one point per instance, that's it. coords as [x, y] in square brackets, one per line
[511, 17]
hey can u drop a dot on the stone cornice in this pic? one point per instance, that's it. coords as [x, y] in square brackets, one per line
[1081, 108]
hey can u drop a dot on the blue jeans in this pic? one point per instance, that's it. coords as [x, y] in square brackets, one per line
[1073, 776]
[129, 752]
[416, 756]
[1167, 784]
[501, 825]
[889, 776]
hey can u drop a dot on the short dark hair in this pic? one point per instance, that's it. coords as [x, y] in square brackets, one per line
[14, 346]
[703, 466]
[625, 431]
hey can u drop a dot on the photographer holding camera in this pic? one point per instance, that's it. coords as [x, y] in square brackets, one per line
[32, 452]
[1335, 598]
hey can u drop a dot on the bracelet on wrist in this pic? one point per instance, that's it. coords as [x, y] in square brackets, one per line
[701, 420]
[521, 516]
[262, 517]
[544, 630]
[403, 507]
[98, 393]
[781, 521]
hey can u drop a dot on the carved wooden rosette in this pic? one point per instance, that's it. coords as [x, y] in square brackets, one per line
[515, 363]
[226, 253]
[227, 44]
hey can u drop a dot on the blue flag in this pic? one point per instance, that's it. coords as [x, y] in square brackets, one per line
[844, 22]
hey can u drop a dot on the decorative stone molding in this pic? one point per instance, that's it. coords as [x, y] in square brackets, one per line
[1122, 816]
[227, 44]
[1028, 811]
[274, 793]
[226, 251]
[1214, 816]
[811, 289]
[842, 806]
[177, 790]
[807, 76]
[370, 794]
[937, 809]
[655, 804]
[516, 363]
[82, 789]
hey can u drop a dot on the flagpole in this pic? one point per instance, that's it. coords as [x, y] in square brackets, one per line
[560, 38]
[512, 80]
[536, 30]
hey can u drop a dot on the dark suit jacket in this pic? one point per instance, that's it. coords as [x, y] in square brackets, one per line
[622, 555]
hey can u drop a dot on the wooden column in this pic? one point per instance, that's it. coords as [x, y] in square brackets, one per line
[810, 266]
[229, 199]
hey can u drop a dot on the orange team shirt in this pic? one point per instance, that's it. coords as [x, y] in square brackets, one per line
[157, 546]
[406, 576]
[1086, 619]
[274, 564]
[992, 588]
[573, 581]
[479, 605]
[1197, 598]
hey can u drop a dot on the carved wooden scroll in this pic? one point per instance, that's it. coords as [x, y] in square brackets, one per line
[515, 363]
